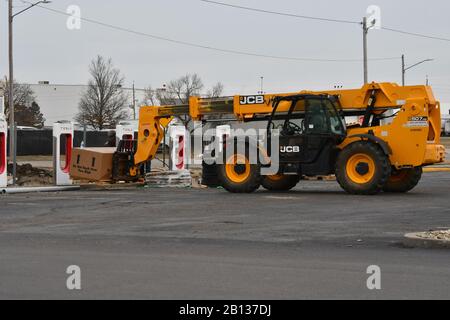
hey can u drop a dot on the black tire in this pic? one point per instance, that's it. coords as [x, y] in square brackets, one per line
[354, 180]
[209, 175]
[402, 181]
[283, 183]
[250, 184]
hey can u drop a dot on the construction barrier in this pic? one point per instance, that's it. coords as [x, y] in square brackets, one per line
[178, 146]
[3, 152]
[63, 133]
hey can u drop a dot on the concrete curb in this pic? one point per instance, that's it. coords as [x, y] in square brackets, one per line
[109, 187]
[37, 189]
[412, 240]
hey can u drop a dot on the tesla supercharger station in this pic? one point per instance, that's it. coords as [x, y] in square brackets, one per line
[62, 132]
[178, 147]
[3, 154]
[222, 133]
[124, 132]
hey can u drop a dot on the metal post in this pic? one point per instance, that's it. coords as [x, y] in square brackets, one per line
[164, 148]
[85, 136]
[12, 141]
[15, 154]
[403, 70]
[366, 67]
[134, 103]
[262, 86]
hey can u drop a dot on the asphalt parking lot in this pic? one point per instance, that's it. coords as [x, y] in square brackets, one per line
[313, 242]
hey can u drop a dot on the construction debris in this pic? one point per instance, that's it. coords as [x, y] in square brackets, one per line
[435, 235]
[28, 176]
[169, 179]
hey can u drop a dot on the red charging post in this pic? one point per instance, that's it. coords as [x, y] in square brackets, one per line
[178, 148]
[3, 152]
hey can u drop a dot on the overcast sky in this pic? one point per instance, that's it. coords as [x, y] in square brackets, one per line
[46, 50]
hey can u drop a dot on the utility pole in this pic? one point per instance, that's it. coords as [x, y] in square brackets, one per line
[12, 146]
[403, 70]
[366, 66]
[134, 102]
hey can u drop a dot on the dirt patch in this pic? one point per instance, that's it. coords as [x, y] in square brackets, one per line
[28, 176]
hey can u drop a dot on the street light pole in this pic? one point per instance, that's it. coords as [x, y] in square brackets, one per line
[262, 86]
[404, 68]
[12, 142]
[12, 135]
[365, 48]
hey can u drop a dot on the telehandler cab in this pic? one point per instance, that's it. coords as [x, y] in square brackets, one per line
[398, 136]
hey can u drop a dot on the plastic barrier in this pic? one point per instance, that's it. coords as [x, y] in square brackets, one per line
[177, 148]
[62, 131]
[3, 152]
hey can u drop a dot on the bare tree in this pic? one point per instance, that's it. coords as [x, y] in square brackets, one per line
[104, 102]
[150, 97]
[185, 87]
[179, 91]
[23, 96]
[216, 91]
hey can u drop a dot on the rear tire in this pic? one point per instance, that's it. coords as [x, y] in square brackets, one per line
[280, 182]
[402, 181]
[237, 175]
[209, 175]
[363, 168]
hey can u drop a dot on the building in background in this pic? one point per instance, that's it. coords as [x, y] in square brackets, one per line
[60, 101]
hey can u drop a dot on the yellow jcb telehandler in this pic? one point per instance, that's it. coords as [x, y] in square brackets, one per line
[399, 134]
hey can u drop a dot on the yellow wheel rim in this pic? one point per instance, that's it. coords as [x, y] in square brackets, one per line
[237, 168]
[361, 168]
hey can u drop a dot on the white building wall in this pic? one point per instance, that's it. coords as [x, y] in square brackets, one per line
[60, 102]
[445, 109]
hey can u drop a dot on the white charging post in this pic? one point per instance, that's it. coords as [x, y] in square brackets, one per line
[62, 132]
[124, 132]
[178, 148]
[222, 134]
[3, 151]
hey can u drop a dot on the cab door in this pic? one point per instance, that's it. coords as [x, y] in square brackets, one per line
[292, 137]
[317, 131]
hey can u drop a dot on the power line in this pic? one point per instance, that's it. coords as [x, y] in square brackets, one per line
[280, 13]
[324, 19]
[416, 34]
[208, 47]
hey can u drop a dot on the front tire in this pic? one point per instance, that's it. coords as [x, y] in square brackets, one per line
[402, 181]
[237, 175]
[363, 168]
[280, 182]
